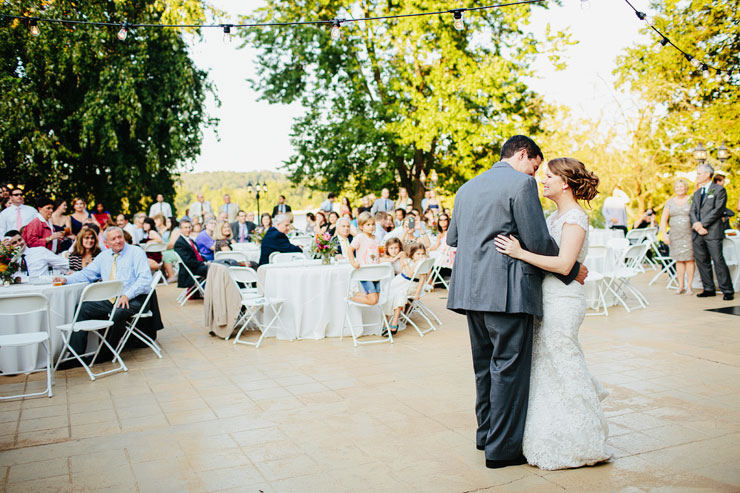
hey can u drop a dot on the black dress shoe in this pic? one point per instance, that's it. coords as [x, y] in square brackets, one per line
[728, 297]
[706, 294]
[497, 464]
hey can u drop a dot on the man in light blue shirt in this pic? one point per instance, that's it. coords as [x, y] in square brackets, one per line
[131, 267]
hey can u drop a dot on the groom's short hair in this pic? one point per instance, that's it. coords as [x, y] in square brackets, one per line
[519, 142]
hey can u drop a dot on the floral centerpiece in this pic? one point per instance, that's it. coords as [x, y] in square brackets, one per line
[9, 263]
[257, 236]
[324, 248]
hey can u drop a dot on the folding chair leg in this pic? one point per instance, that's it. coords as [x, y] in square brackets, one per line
[49, 383]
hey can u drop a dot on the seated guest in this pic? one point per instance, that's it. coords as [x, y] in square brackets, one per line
[197, 226]
[321, 224]
[265, 223]
[222, 235]
[205, 241]
[85, 249]
[188, 251]
[36, 261]
[394, 253]
[400, 216]
[150, 235]
[276, 240]
[241, 229]
[102, 216]
[332, 228]
[121, 262]
[380, 226]
[62, 224]
[138, 226]
[401, 289]
[647, 220]
[169, 258]
[160, 225]
[39, 232]
[343, 238]
[310, 223]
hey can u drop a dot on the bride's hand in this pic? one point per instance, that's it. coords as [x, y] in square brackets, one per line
[508, 246]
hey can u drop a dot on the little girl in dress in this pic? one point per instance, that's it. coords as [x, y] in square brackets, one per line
[364, 251]
[394, 254]
[401, 289]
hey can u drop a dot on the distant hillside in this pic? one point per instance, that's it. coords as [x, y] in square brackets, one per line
[213, 185]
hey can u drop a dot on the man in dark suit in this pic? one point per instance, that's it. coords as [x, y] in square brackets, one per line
[499, 295]
[281, 208]
[186, 248]
[707, 208]
[276, 239]
[241, 228]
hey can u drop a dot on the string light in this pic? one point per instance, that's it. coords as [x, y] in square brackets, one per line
[459, 22]
[34, 27]
[227, 32]
[663, 41]
[123, 32]
[585, 4]
[336, 30]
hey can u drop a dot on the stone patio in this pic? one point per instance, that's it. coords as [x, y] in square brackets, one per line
[324, 416]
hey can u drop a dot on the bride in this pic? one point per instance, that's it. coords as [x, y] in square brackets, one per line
[565, 425]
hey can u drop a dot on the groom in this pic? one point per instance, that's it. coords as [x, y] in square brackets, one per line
[500, 295]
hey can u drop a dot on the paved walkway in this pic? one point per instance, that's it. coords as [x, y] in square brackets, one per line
[324, 416]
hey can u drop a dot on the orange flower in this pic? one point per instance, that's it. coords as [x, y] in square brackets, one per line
[3, 267]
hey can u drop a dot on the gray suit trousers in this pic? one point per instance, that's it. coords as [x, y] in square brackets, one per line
[502, 360]
[706, 252]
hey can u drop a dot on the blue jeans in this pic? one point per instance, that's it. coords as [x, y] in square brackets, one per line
[370, 287]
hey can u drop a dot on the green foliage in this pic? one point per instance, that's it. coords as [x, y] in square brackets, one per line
[82, 113]
[396, 98]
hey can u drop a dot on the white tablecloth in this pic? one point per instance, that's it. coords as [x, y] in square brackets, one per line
[697, 286]
[251, 250]
[600, 237]
[62, 303]
[314, 294]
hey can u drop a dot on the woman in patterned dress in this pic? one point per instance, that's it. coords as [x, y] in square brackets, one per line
[676, 215]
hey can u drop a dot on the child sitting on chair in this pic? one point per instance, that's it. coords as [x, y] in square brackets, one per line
[404, 286]
[364, 251]
[394, 254]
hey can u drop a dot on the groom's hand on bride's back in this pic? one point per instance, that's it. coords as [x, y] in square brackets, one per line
[582, 274]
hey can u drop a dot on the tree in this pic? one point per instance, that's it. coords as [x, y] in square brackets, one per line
[84, 114]
[393, 99]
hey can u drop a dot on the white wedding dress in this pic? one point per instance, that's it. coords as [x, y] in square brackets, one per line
[565, 424]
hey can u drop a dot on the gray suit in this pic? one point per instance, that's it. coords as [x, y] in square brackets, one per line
[501, 296]
[708, 248]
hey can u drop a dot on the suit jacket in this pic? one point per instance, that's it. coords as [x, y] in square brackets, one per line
[277, 207]
[275, 241]
[187, 254]
[709, 212]
[235, 229]
[231, 211]
[499, 201]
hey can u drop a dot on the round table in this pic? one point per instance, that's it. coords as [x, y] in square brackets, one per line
[314, 299]
[251, 250]
[62, 304]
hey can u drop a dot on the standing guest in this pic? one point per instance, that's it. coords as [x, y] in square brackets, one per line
[402, 287]
[676, 214]
[328, 204]
[647, 219]
[721, 179]
[333, 218]
[4, 196]
[614, 210]
[85, 249]
[707, 207]
[433, 202]
[364, 251]
[345, 207]
[160, 207]
[102, 216]
[62, 223]
[222, 237]
[81, 216]
[122, 262]
[123, 223]
[265, 223]
[310, 222]
[403, 200]
[39, 232]
[276, 240]
[384, 203]
[205, 241]
[168, 257]
[281, 207]
[343, 238]
[188, 251]
[37, 261]
[321, 223]
[200, 207]
[231, 209]
[367, 206]
[241, 229]
[425, 200]
[16, 215]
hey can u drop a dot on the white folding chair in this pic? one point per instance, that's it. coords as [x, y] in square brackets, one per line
[376, 272]
[282, 258]
[732, 259]
[424, 268]
[131, 325]
[239, 257]
[154, 247]
[99, 291]
[199, 283]
[618, 278]
[20, 305]
[598, 280]
[252, 303]
[436, 274]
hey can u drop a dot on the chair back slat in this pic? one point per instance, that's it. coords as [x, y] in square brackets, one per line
[375, 272]
[423, 268]
[282, 258]
[23, 304]
[101, 291]
[155, 247]
[237, 256]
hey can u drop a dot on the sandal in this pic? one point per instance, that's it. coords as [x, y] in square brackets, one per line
[394, 330]
[680, 291]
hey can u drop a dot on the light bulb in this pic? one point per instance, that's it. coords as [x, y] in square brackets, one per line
[35, 31]
[459, 22]
[336, 30]
[585, 5]
[695, 62]
[123, 32]
[663, 41]
[227, 33]
[726, 77]
[705, 71]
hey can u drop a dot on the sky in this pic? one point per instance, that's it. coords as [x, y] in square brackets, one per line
[254, 135]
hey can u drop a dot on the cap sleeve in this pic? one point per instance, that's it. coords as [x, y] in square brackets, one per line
[578, 217]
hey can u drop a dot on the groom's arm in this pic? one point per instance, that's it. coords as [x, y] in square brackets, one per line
[452, 229]
[532, 228]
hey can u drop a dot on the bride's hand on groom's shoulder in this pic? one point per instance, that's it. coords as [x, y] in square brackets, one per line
[508, 245]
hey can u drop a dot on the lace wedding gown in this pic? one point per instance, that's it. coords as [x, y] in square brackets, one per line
[565, 424]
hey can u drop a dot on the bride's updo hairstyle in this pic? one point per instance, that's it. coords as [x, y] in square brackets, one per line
[573, 172]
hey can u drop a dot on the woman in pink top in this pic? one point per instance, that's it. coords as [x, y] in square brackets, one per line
[365, 250]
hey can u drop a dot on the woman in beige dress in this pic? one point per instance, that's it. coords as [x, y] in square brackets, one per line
[676, 214]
